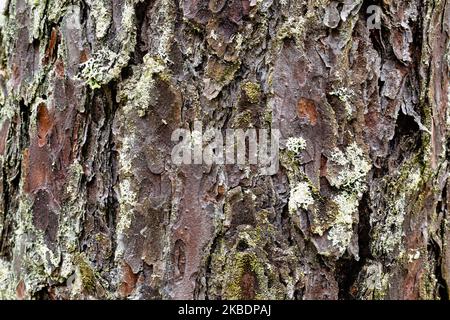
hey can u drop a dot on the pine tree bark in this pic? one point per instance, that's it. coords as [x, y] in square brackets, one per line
[93, 207]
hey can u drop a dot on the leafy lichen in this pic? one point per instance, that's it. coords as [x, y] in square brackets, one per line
[296, 144]
[102, 15]
[348, 170]
[341, 231]
[300, 197]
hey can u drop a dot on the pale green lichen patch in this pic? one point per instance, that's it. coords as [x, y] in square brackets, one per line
[138, 91]
[376, 282]
[293, 27]
[387, 221]
[345, 95]
[341, 231]
[296, 144]
[101, 13]
[127, 201]
[348, 170]
[7, 288]
[99, 69]
[166, 27]
[105, 64]
[300, 197]
[127, 196]
[38, 260]
[72, 211]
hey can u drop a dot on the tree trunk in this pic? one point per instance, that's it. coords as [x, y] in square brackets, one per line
[92, 205]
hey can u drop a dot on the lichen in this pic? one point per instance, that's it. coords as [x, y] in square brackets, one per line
[376, 281]
[106, 64]
[99, 69]
[300, 197]
[387, 230]
[341, 231]
[86, 279]
[102, 15]
[252, 91]
[243, 263]
[293, 27]
[127, 201]
[345, 95]
[126, 195]
[166, 28]
[296, 144]
[244, 273]
[348, 170]
[413, 255]
[7, 290]
[137, 92]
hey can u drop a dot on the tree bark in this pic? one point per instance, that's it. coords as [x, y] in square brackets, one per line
[92, 206]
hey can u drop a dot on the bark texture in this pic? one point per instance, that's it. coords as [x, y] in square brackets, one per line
[92, 207]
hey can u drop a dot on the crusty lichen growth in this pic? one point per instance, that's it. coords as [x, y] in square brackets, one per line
[106, 64]
[345, 95]
[138, 92]
[7, 288]
[374, 282]
[102, 14]
[244, 273]
[341, 231]
[252, 91]
[293, 27]
[347, 172]
[85, 280]
[99, 69]
[387, 221]
[127, 196]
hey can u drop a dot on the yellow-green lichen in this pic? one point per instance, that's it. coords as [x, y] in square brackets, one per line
[252, 91]
[86, 279]
[244, 264]
[241, 267]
